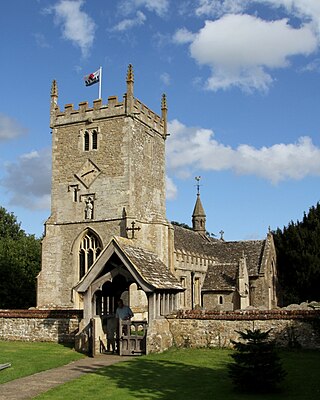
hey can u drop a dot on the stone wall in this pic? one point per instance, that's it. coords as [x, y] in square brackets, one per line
[211, 329]
[194, 328]
[40, 325]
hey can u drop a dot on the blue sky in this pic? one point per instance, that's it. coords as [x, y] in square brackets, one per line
[242, 79]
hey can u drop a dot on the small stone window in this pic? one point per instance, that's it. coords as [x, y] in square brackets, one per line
[90, 140]
[220, 299]
[94, 140]
[86, 141]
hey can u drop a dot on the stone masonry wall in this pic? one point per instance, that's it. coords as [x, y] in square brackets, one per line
[186, 329]
[216, 329]
[40, 326]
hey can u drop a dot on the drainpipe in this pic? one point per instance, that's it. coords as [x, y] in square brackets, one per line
[192, 287]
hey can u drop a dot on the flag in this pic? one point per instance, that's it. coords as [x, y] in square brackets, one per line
[93, 78]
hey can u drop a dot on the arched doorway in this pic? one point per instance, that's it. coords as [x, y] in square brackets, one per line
[111, 291]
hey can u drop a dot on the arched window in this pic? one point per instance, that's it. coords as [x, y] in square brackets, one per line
[220, 299]
[90, 139]
[90, 248]
[86, 141]
[94, 140]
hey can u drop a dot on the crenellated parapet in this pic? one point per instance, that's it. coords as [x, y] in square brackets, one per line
[130, 106]
[114, 108]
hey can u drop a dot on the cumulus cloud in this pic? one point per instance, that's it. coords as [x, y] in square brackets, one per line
[171, 189]
[242, 49]
[183, 36]
[160, 7]
[192, 148]
[220, 7]
[76, 25]
[28, 180]
[10, 128]
[129, 23]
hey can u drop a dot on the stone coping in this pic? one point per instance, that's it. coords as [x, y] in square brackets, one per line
[41, 314]
[248, 314]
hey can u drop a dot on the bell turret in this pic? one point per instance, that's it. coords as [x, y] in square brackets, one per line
[198, 215]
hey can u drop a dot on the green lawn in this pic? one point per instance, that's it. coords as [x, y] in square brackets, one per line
[27, 358]
[187, 374]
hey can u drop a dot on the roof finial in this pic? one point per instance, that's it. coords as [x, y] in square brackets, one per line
[129, 95]
[164, 102]
[130, 74]
[164, 112]
[221, 235]
[54, 90]
[54, 102]
[197, 178]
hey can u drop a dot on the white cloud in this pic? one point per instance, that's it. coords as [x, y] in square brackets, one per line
[129, 23]
[314, 65]
[76, 25]
[28, 180]
[183, 36]
[41, 40]
[171, 189]
[220, 7]
[10, 128]
[242, 49]
[303, 9]
[191, 149]
[165, 78]
[160, 7]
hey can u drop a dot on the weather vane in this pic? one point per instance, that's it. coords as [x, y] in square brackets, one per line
[197, 178]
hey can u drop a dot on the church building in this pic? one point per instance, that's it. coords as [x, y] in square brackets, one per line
[108, 236]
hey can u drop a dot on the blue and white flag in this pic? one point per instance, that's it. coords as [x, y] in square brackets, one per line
[92, 78]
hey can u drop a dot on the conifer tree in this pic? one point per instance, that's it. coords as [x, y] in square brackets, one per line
[256, 367]
[298, 258]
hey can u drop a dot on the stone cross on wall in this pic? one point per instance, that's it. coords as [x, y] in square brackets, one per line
[133, 229]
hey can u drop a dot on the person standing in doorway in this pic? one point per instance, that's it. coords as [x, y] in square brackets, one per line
[123, 312]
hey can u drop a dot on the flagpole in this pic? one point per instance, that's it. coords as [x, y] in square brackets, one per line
[100, 81]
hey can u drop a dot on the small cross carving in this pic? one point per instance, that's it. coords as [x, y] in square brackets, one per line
[133, 229]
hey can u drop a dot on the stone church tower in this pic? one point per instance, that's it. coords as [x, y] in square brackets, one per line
[108, 179]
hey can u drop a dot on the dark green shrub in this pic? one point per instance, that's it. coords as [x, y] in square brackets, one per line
[256, 367]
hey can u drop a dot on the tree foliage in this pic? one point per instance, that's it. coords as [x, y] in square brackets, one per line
[298, 255]
[20, 259]
[256, 367]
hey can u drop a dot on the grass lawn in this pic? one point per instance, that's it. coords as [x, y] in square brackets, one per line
[188, 374]
[27, 358]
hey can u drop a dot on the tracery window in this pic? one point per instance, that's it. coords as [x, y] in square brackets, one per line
[90, 248]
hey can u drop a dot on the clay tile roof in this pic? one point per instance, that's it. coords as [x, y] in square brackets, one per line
[220, 277]
[149, 266]
[222, 251]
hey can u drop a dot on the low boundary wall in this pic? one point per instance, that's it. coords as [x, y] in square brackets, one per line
[59, 326]
[194, 328]
[197, 328]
